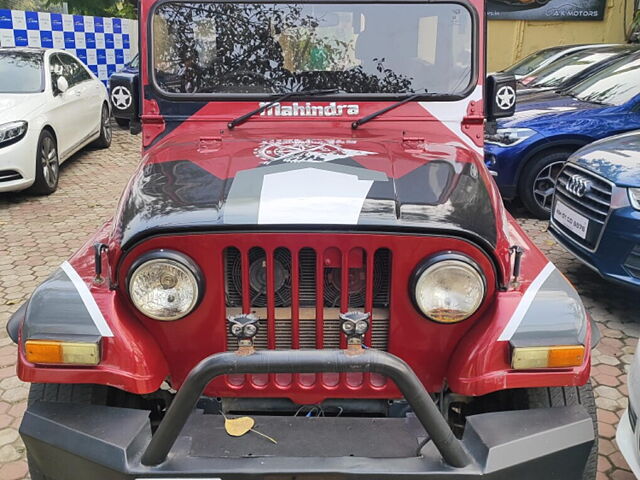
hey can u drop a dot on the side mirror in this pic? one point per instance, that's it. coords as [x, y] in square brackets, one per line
[125, 98]
[62, 84]
[500, 96]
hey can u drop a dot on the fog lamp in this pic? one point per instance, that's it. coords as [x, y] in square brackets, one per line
[562, 356]
[62, 353]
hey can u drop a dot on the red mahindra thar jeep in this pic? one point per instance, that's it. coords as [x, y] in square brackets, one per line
[311, 274]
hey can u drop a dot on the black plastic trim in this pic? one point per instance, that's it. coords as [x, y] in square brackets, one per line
[16, 321]
[480, 243]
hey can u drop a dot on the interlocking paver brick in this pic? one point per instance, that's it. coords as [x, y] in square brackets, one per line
[39, 233]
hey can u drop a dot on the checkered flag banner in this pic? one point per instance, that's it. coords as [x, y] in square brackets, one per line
[105, 45]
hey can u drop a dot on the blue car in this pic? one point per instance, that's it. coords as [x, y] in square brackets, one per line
[596, 207]
[527, 151]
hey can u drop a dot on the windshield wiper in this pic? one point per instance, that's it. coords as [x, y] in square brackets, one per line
[373, 115]
[240, 120]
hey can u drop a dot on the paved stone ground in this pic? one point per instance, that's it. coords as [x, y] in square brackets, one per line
[38, 233]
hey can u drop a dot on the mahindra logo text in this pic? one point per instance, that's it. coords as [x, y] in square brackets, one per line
[309, 110]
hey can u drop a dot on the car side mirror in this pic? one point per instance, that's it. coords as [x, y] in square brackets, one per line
[125, 98]
[62, 84]
[500, 96]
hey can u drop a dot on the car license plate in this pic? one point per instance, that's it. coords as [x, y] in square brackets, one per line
[571, 220]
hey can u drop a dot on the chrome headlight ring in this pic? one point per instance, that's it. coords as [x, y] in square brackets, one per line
[165, 285]
[448, 287]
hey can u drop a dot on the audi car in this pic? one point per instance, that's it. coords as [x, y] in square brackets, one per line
[596, 207]
[527, 151]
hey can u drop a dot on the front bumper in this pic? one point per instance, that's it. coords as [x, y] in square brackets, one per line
[89, 441]
[628, 443]
[18, 163]
[619, 238]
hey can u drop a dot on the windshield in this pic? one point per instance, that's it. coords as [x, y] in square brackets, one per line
[615, 85]
[533, 61]
[21, 72]
[261, 48]
[560, 71]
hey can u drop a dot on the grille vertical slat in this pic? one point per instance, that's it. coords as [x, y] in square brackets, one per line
[295, 300]
[271, 305]
[319, 300]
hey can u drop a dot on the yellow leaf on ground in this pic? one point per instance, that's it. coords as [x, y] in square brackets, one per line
[237, 427]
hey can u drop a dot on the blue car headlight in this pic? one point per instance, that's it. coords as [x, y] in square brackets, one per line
[634, 197]
[12, 132]
[507, 137]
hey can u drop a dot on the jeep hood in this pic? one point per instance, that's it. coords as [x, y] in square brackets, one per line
[615, 158]
[211, 184]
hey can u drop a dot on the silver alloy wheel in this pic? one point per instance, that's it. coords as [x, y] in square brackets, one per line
[106, 125]
[49, 161]
[545, 184]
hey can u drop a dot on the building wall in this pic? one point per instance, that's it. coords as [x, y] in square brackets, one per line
[511, 40]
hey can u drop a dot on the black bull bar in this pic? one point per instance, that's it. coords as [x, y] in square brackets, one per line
[73, 443]
[311, 361]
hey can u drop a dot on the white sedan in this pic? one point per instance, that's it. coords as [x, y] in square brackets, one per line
[51, 106]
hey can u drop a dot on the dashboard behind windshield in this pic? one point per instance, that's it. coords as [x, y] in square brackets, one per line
[262, 48]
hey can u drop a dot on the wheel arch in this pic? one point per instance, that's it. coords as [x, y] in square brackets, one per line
[48, 127]
[565, 143]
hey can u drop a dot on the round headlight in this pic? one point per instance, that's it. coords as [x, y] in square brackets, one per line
[450, 289]
[165, 285]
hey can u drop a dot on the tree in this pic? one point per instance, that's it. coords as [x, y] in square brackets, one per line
[103, 8]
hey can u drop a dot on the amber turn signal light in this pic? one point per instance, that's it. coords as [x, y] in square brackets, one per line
[562, 356]
[62, 353]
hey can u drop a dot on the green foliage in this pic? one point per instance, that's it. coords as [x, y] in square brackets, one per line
[102, 8]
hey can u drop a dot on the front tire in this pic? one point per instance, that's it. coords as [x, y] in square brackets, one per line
[564, 397]
[538, 181]
[106, 134]
[47, 165]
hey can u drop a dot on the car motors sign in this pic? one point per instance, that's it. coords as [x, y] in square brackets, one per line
[545, 9]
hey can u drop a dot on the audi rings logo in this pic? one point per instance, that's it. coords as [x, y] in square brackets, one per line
[578, 185]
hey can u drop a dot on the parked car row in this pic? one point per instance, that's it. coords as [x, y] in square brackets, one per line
[51, 106]
[527, 151]
[564, 154]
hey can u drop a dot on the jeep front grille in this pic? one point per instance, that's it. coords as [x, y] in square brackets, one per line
[594, 204]
[298, 295]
